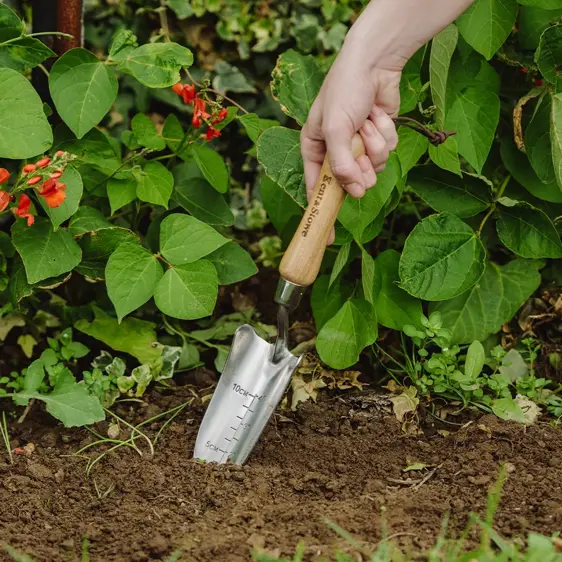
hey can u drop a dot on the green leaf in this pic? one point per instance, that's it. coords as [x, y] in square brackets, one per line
[198, 197]
[327, 298]
[45, 253]
[131, 335]
[70, 402]
[279, 152]
[532, 23]
[463, 197]
[98, 247]
[395, 307]
[508, 409]
[233, 263]
[74, 189]
[87, 219]
[556, 137]
[537, 140]
[145, 132]
[181, 8]
[123, 42]
[357, 214]
[490, 303]
[131, 274]
[544, 4]
[83, 89]
[442, 48]
[33, 378]
[442, 258]
[446, 156]
[157, 65]
[549, 54]
[343, 337]
[94, 149]
[11, 25]
[184, 239]
[188, 291]
[296, 81]
[410, 82]
[213, 167]
[340, 262]
[367, 275]
[475, 358]
[255, 126]
[228, 78]
[528, 232]
[173, 133]
[121, 192]
[279, 206]
[486, 24]
[519, 167]
[24, 53]
[24, 129]
[474, 115]
[411, 147]
[155, 184]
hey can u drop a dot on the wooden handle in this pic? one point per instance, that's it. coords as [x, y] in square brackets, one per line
[301, 263]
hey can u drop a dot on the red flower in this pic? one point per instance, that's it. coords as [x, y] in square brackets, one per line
[188, 93]
[43, 163]
[199, 106]
[196, 121]
[212, 133]
[4, 200]
[538, 82]
[53, 193]
[28, 168]
[4, 175]
[221, 116]
[22, 211]
[523, 71]
[177, 88]
[59, 153]
[56, 175]
[34, 180]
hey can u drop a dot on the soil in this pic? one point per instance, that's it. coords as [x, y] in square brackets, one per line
[341, 460]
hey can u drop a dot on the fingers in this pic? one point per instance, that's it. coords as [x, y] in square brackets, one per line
[380, 138]
[338, 130]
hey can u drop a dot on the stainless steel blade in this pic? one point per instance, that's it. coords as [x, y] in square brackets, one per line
[254, 379]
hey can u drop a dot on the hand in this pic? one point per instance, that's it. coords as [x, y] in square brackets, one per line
[354, 98]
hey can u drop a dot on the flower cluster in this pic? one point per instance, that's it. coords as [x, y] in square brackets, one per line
[200, 113]
[45, 174]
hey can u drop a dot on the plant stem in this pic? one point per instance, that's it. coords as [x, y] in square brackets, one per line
[38, 34]
[217, 93]
[164, 20]
[493, 206]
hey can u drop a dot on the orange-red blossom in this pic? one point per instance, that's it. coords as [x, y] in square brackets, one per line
[22, 209]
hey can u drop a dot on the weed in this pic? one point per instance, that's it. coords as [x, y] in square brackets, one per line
[6, 437]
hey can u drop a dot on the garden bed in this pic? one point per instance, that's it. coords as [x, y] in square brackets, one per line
[342, 459]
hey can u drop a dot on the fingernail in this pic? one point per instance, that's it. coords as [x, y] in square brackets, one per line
[380, 168]
[355, 190]
[370, 178]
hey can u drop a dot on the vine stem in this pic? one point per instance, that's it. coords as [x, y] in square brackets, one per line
[493, 206]
[217, 93]
[38, 34]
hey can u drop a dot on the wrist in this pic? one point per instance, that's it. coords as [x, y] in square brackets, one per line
[389, 32]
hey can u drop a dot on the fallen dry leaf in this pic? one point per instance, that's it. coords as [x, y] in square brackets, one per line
[405, 403]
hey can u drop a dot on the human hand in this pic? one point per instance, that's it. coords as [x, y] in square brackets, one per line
[353, 98]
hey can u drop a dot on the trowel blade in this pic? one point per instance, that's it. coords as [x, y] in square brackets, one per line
[249, 390]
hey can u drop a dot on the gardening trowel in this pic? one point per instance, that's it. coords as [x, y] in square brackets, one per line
[257, 373]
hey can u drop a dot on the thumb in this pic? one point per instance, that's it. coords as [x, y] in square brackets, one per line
[344, 166]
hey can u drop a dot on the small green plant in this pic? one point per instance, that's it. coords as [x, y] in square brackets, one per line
[466, 374]
[6, 437]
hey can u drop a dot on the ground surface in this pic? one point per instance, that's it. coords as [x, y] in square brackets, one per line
[338, 460]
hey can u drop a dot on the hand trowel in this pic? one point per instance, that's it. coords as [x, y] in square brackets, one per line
[257, 373]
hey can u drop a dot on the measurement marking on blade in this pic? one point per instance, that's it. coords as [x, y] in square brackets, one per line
[227, 439]
[235, 439]
[234, 428]
[240, 418]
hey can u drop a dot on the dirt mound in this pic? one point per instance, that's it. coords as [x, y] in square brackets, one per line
[326, 461]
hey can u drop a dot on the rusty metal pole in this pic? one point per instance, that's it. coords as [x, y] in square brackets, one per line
[70, 19]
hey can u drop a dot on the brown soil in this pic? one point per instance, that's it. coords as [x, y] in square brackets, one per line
[336, 460]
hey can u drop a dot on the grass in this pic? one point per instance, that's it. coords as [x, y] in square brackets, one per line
[6, 437]
[492, 548]
[131, 441]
